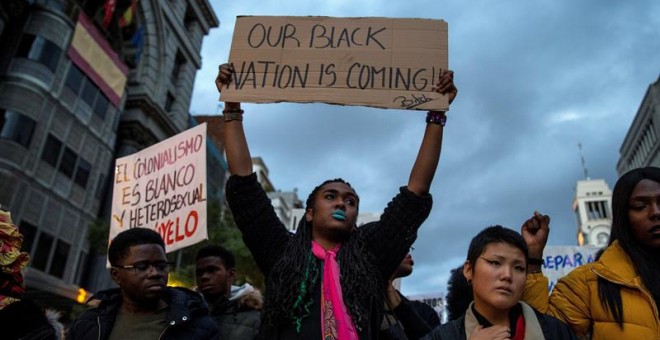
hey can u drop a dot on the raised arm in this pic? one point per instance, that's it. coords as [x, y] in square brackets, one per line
[262, 231]
[390, 238]
[535, 232]
[428, 156]
[238, 153]
[571, 298]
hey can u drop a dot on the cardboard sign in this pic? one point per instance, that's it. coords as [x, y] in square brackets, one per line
[378, 62]
[163, 187]
[561, 260]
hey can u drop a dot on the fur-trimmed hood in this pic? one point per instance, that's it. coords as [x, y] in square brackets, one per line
[239, 317]
[247, 297]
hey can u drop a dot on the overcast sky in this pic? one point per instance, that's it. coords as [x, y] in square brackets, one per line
[535, 78]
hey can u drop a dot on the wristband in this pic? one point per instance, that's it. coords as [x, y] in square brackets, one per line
[233, 114]
[436, 117]
[535, 262]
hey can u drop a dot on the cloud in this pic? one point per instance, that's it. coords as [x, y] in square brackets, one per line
[535, 79]
[564, 117]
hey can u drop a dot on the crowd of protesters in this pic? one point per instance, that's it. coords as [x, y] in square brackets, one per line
[333, 280]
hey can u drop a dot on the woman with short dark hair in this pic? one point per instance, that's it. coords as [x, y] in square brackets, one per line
[495, 269]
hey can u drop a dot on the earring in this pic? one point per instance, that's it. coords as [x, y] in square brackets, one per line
[469, 282]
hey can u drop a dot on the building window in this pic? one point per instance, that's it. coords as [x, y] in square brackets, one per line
[40, 258]
[169, 102]
[16, 127]
[29, 232]
[89, 92]
[597, 210]
[115, 123]
[100, 187]
[101, 106]
[52, 149]
[179, 61]
[82, 173]
[59, 259]
[189, 18]
[74, 78]
[37, 48]
[68, 162]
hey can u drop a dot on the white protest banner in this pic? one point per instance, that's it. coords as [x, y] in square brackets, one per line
[561, 260]
[378, 62]
[163, 188]
[435, 300]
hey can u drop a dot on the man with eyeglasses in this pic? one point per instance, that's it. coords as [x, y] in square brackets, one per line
[143, 307]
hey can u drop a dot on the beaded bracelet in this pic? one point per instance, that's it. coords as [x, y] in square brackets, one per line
[436, 117]
[232, 114]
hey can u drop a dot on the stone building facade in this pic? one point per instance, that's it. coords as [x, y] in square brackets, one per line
[63, 120]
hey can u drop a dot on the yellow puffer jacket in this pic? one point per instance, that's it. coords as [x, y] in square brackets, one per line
[575, 301]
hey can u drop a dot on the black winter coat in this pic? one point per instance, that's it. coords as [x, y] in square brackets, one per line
[537, 327]
[415, 319]
[238, 319]
[187, 317]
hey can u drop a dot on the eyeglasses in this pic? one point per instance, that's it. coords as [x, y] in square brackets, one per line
[143, 267]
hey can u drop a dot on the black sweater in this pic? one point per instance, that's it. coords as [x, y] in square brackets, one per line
[387, 239]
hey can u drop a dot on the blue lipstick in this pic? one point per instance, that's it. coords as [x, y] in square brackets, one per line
[339, 215]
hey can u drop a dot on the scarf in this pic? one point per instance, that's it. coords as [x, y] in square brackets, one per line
[520, 328]
[336, 323]
[516, 319]
[12, 261]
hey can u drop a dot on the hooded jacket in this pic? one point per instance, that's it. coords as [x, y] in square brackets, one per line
[187, 317]
[239, 317]
[575, 300]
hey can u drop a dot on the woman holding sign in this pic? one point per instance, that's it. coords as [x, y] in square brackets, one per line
[326, 280]
[616, 297]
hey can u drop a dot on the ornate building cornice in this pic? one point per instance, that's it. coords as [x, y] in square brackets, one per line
[135, 134]
[209, 15]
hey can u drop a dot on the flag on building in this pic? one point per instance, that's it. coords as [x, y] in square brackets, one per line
[109, 9]
[93, 55]
[138, 41]
[127, 18]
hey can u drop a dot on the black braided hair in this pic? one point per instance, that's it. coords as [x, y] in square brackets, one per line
[295, 275]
